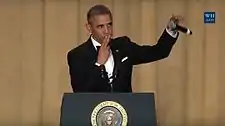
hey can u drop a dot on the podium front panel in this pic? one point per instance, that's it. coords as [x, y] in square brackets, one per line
[78, 108]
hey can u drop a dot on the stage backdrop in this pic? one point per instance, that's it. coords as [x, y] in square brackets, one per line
[35, 36]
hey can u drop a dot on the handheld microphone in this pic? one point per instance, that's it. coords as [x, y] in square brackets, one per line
[183, 29]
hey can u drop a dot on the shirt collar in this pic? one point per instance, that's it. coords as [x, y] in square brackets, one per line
[95, 43]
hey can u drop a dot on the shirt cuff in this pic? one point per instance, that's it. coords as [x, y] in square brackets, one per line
[172, 33]
[97, 64]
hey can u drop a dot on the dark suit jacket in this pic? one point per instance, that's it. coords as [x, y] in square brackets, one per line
[86, 76]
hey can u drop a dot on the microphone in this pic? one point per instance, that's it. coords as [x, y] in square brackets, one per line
[183, 29]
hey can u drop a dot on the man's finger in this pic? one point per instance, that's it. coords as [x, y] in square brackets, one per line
[108, 40]
[108, 47]
[104, 41]
[172, 17]
[180, 19]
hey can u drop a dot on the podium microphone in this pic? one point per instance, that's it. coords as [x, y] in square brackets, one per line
[183, 29]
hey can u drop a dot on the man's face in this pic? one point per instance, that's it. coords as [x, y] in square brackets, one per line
[100, 26]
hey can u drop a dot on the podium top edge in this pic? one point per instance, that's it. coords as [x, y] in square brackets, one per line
[140, 93]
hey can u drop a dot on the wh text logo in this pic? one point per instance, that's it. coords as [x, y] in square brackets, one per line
[209, 17]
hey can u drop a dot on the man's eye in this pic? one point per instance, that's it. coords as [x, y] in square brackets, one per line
[100, 26]
[110, 24]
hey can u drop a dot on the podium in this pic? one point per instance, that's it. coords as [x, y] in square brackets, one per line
[108, 109]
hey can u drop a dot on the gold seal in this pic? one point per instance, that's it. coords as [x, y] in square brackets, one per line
[109, 113]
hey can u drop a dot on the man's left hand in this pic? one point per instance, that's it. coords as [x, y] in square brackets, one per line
[175, 19]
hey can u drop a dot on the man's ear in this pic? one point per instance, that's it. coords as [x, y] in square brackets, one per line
[88, 27]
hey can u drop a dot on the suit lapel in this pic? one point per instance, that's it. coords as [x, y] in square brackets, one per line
[91, 51]
[116, 57]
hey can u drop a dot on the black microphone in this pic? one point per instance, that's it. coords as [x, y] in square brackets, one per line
[183, 29]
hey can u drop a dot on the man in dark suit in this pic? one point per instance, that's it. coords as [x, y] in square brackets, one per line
[103, 63]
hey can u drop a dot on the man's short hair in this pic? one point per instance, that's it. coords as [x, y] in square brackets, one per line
[98, 10]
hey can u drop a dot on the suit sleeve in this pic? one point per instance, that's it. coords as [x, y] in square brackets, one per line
[146, 53]
[84, 77]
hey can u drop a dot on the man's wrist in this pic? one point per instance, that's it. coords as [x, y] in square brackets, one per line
[172, 33]
[97, 64]
[102, 69]
[101, 66]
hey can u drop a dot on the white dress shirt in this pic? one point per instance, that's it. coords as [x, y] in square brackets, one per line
[109, 65]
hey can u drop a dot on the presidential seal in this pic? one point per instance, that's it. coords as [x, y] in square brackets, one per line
[109, 113]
